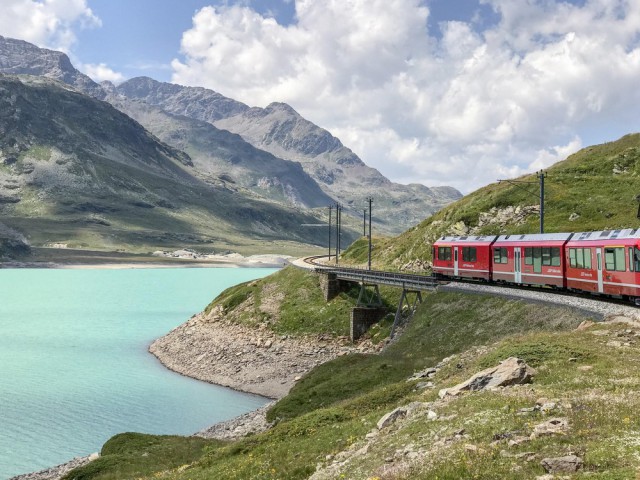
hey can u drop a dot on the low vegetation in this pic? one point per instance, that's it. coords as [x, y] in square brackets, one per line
[290, 302]
[590, 376]
[593, 189]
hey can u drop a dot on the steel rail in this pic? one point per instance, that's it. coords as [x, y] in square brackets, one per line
[409, 281]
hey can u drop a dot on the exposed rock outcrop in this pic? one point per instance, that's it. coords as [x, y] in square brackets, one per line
[511, 371]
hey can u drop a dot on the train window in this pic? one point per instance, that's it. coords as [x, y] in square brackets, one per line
[528, 256]
[555, 257]
[537, 260]
[580, 258]
[469, 254]
[546, 256]
[614, 259]
[586, 252]
[500, 255]
[444, 253]
[636, 259]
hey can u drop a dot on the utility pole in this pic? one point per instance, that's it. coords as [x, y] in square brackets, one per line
[542, 175]
[370, 200]
[338, 208]
[330, 208]
[364, 223]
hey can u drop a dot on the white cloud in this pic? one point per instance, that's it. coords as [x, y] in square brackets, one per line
[461, 108]
[47, 23]
[100, 72]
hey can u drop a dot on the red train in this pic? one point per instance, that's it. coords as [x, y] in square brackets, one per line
[601, 263]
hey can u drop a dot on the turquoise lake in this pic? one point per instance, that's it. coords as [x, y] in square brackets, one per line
[74, 366]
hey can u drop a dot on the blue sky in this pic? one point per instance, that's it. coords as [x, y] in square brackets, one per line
[441, 92]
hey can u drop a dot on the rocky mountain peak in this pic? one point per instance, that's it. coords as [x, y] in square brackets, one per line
[194, 102]
[20, 57]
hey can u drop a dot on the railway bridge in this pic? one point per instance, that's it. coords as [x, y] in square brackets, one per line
[369, 308]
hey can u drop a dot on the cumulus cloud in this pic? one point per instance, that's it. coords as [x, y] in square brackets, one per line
[101, 72]
[47, 23]
[462, 106]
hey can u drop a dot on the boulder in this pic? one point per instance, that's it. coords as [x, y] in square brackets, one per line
[567, 464]
[511, 371]
[392, 417]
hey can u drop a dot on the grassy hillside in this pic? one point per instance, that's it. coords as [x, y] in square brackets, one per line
[76, 171]
[593, 189]
[591, 375]
[290, 302]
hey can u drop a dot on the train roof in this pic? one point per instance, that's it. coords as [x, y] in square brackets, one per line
[468, 239]
[534, 237]
[606, 235]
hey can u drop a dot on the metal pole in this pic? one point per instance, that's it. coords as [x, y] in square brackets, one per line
[330, 208]
[541, 202]
[364, 223]
[370, 202]
[337, 230]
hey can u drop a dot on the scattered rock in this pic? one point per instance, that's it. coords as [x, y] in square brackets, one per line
[552, 426]
[567, 464]
[511, 371]
[573, 217]
[519, 440]
[392, 417]
[584, 325]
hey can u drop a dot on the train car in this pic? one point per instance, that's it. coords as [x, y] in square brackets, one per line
[463, 257]
[605, 263]
[530, 259]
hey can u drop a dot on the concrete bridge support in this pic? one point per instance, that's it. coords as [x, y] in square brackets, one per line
[362, 318]
[331, 286]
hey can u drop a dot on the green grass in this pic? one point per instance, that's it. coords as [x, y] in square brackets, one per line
[337, 403]
[290, 302]
[133, 455]
[598, 183]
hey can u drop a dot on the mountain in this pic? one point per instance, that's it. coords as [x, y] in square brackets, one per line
[223, 158]
[282, 158]
[20, 57]
[594, 189]
[280, 130]
[75, 170]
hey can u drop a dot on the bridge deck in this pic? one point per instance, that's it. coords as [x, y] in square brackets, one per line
[405, 280]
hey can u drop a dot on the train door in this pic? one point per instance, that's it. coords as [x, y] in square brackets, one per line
[455, 261]
[599, 267]
[517, 265]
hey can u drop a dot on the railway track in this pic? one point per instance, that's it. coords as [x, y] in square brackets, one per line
[589, 303]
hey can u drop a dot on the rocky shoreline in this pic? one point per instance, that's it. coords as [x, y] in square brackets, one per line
[213, 349]
[59, 471]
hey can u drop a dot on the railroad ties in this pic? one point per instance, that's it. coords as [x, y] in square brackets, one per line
[370, 308]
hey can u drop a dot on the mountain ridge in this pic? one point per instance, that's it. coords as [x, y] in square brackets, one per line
[75, 170]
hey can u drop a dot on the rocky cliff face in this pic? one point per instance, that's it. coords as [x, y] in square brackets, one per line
[223, 158]
[20, 57]
[281, 131]
[192, 102]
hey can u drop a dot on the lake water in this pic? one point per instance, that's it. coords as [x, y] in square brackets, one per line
[74, 366]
